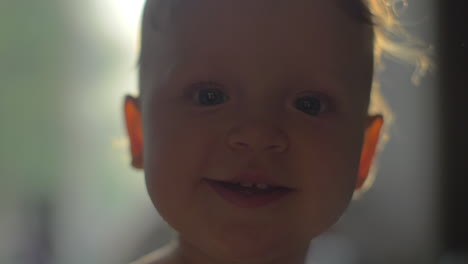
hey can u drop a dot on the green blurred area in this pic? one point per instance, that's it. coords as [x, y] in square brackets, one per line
[33, 74]
[51, 57]
[63, 74]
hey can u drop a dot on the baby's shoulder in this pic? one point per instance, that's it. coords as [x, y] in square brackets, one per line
[160, 256]
[153, 259]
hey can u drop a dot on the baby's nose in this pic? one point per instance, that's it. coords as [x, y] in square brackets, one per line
[257, 137]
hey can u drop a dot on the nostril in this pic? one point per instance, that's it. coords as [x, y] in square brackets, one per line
[274, 147]
[257, 138]
[241, 144]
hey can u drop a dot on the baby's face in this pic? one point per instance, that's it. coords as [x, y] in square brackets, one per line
[278, 87]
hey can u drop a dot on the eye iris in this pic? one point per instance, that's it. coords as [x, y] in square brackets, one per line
[210, 97]
[309, 105]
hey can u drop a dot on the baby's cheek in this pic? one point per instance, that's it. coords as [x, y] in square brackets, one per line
[329, 172]
[328, 197]
[174, 152]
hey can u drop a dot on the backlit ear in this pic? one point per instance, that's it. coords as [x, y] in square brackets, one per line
[134, 130]
[371, 139]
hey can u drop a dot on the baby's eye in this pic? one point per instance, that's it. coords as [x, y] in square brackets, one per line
[310, 105]
[208, 94]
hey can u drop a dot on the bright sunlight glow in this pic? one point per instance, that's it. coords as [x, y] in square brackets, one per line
[129, 11]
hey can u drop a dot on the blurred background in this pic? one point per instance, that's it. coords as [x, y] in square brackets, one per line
[68, 193]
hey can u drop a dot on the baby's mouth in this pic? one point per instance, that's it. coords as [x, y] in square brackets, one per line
[249, 195]
[250, 188]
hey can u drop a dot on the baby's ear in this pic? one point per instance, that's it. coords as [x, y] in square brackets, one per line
[134, 129]
[371, 139]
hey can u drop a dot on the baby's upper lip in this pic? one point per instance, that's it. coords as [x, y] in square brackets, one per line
[256, 177]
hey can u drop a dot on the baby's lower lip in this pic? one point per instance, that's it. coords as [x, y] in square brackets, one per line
[250, 198]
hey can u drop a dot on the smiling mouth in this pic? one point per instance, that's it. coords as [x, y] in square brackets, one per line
[250, 189]
[248, 197]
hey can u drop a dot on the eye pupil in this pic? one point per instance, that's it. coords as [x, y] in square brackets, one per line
[309, 105]
[210, 96]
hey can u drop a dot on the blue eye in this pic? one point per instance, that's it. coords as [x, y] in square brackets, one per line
[208, 94]
[309, 105]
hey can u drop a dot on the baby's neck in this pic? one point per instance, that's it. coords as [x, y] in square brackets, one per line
[176, 253]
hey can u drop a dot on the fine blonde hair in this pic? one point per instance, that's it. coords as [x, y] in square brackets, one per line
[391, 40]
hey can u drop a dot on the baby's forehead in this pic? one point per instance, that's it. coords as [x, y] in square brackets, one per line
[304, 22]
[160, 12]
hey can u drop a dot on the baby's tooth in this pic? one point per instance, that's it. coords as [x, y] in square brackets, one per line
[246, 184]
[262, 186]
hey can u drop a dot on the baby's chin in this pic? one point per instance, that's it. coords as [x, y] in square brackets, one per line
[248, 247]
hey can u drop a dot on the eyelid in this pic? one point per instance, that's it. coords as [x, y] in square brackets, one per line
[192, 88]
[205, 84]
[326, 99]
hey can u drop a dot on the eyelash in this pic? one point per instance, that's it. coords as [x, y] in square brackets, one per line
[320, 105]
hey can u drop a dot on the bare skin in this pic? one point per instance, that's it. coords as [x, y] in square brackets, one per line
[261, 57]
